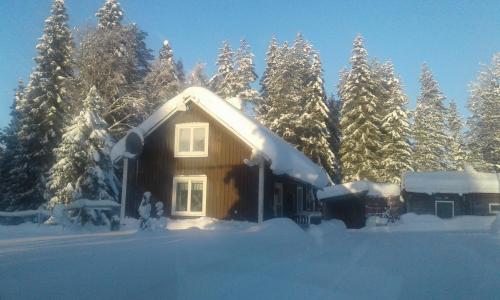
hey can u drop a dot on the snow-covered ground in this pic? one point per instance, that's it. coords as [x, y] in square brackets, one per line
[273, 260]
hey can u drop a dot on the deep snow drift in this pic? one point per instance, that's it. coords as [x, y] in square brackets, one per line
[209, 259]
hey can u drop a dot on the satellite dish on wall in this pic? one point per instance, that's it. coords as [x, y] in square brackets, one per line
[134, 143]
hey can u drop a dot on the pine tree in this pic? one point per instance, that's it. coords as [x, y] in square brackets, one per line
[361, 136]
[198, 77]
[223, 83]
[163, 82]
[83, 168]
[268, 82]
[333, 125]
[110, 15]
[115, 59]
[429, 128]
[396, 153]
[455, 148]
[45, 111]
[245, 74]
[484, 125]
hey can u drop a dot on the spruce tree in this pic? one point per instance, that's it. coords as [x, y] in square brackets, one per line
[10, 147]
[361, 136]
[429, 128]
[245, 74]
[396, 152]
[223, 83]
[163, 82]
[483, 138]
[44, 112]
[315, 138]
[268, 82]
[455, 148]
[110, 15]
[198, 77]
[83, 168]
[115, 59]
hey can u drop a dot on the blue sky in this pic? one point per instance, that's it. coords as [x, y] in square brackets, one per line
[453, 37]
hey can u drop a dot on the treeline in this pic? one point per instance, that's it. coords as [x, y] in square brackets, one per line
[81, 98]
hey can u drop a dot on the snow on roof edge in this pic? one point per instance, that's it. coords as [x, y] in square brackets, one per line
[284, 158]
[357, 187]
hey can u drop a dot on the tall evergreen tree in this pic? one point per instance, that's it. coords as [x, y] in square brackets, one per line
[223, 83]
[83, 169]
[429, 128]
[198, 77]
[10, 148]
[315, 138]
[115, 59]
[245, 74]
[396, 152]
[45, 111]
[484, 123]
[333, 124]
[455, 148]
[361, 136]
[268, 81]
[163, 82]
[110, 15]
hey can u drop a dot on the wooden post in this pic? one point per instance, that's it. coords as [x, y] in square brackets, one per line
[261, 190]
[124, 190]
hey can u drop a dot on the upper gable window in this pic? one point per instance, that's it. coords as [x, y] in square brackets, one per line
[191, 140]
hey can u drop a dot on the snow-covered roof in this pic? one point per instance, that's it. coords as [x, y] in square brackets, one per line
[453, 182]
[369, 188]
[283, 157]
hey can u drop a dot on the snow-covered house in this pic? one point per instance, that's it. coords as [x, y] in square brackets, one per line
[353, 202]
[201, 156]
[451, 193]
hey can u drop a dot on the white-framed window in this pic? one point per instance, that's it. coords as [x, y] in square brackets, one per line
[189, 195]
[494, 208]
[191, 140]
[444, 209]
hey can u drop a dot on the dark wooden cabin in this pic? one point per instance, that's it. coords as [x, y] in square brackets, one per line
[452, 193]
[201, 156]
[354, 202]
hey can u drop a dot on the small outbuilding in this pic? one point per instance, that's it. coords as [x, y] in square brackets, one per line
[447, 194]
[354, 202]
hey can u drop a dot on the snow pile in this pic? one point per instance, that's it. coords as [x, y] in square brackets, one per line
[372, 189]
[327, 231]
[495, 226]
[284, 158]
[414, 222]
[455, 182]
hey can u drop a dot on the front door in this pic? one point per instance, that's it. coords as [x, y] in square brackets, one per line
[278, 200]
[445, 209]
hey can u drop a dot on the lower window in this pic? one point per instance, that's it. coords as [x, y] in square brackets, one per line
[189, 195]
[494, 208]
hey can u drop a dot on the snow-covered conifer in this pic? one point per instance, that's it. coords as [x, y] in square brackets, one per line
[83, 168]
[396, 152]
[162, 82]
[223, 82]
[110, 15]
[245, 74]
[455, 148]
[483, 138]
[429, 128]
[361, 135]
[198, 77]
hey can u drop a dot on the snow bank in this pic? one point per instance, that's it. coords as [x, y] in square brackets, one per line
[23, 213]
[327, 231]
[495, 226]
[414, 222]
[283, 157]
[455, 182]
[359, 187]
[205, 223]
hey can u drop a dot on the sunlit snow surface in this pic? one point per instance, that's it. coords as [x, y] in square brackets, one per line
[209, 259]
